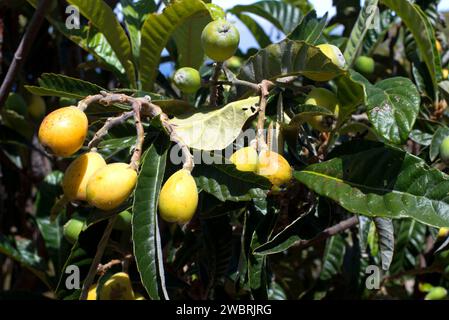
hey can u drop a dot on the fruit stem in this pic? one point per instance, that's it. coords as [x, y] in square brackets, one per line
[135, 159]
[264, 88]
[141, 107]
[110, 122]
[96, 261]
[214, 87]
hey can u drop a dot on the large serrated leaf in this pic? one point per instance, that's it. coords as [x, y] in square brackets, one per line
[363, 24]
[188, 40]
[282, 15]
[385, 232]
[410, 239]
[333, 257]
[58, 85]
[287, 58]
[382, 181]
[103, 18]
[135, 13]
[157, 30]
[310, 29]
[418, 24]
[392, 107]
[215, 129]
[145, 235]
[226, 183]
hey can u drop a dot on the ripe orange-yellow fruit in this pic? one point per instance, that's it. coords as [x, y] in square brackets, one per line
[36, 107]
[323, 98]
[63, 131]
[138, 296]
[78, 174]
[92, 293]
[337, 58]
[245, 159]
[274, 167]
[111, 185]
[117, 287]
[443, 232]
[178, 199]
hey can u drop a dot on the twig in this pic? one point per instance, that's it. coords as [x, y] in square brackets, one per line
[135, 159]
[329, 232]
[98, 255]
[141, 107]
[264, 88]
[23, 49]
[109, 123]
[214, 86]
[103, 268]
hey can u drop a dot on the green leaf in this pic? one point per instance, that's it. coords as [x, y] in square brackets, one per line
[135, 13]
[282, 15]
[156, 32]
[58, 85]
[103, 18]
[333, 257]
[146, 238]
[226, 183]
[444, 89]
[188, 40]
[81, 255]
[383, 181]
[24, 252]
[51, 231]
[392, 107]
[418, 24]
[364, 22]
[438, 137]
[257, 31]
[310, 29]
[287, 58]
[350, 93]
[385, 232]
[217, 128]
[423, 138]
[410, 240]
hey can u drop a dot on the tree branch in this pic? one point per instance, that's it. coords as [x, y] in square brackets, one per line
[135, 159]
[23, 49]
[329, 232]
[96, 261]
[214, 86]
[110, 122]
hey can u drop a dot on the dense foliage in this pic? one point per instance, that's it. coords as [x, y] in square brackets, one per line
[339, 188]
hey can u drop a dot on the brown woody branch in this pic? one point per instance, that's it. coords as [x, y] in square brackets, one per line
[141, 107]
[23, 50]
[96, 261]
[214, 87]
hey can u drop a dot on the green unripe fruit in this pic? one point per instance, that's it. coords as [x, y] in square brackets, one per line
[437, 293]
[187, 79]
[444, 150]
[220, 39]
[364, 65]
[72, 229]
[36, 107]
[323, 98]
[123, 221]
[234, 63]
